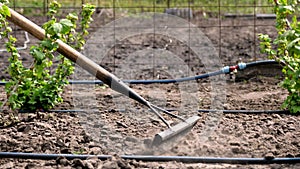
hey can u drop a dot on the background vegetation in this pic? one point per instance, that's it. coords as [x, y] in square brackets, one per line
[217, 6]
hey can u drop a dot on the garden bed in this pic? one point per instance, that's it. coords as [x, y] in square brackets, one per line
[114, 125]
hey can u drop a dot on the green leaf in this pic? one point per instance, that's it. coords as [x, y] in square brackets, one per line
[48, 24]
[295, 109]
[287, 8]
[72, 16]
[5, 10]
[292, 43]
[66, 26]
[47, 43]
[57, 27]
[32, 102]
[66, 22]
[38, 55]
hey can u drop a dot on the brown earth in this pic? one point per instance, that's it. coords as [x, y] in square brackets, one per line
[112, 124]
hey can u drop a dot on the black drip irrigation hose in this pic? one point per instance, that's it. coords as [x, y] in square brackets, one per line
[147, 158]
[247, 111]
[199, 110]
[261, 62]
[224, 70]
[56, 111]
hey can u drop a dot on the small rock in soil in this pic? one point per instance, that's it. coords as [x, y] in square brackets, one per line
[137, 164]
[238, 150]
[29, 166]
[93, 161]
[65, 151]
[256, 135]
[234, 143]
[110, 165]
[95, 150]
[115, 137]
[13, 129]
[269, 156]
[131, 139]
[103, 133]
[89, 165]
[154, 120]
[78, 163]
[23, 128]
[60, 143]
[87, 139]
[121, 124]
[16, 135]
[48, 134]
[62, 161]
[122, 164]
[46, 146]
[29, 150]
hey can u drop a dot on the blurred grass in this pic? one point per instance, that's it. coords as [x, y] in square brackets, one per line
[136, 6]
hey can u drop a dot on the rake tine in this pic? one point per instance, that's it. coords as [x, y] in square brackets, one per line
[152, 107]
[168, 113]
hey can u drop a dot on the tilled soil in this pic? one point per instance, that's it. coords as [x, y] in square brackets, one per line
[112, 124]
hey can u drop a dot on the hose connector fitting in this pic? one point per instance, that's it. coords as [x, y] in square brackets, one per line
[242, 66]
[226, 69]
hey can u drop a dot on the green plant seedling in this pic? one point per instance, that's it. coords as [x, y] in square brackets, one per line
[285, 48]
[37, 87]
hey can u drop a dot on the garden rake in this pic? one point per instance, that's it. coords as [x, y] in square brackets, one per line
[109, 79]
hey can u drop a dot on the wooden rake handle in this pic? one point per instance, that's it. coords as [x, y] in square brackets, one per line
[78, 58]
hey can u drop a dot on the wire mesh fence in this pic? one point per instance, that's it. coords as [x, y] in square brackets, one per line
[224, 6]
[232, 26]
